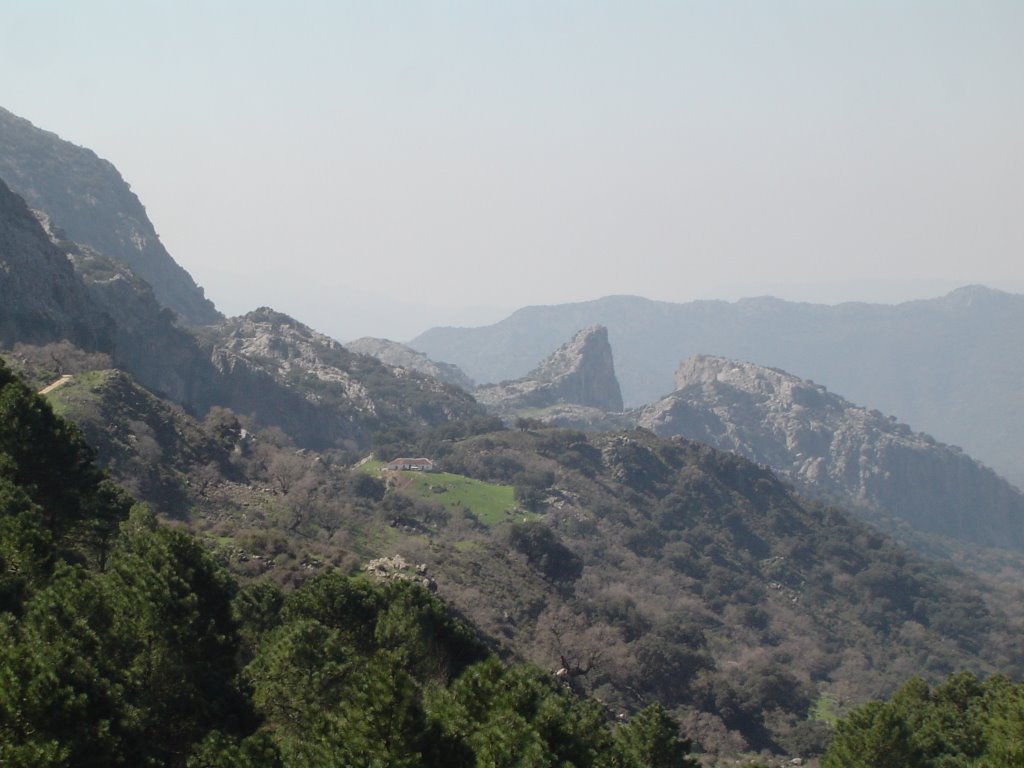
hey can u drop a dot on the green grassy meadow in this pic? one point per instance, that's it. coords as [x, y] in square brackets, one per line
[490, 503]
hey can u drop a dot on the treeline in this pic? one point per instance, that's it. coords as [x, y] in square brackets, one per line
[122, 642]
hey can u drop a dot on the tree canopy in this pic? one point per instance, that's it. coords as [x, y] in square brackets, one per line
[959, 723]
[124, 643]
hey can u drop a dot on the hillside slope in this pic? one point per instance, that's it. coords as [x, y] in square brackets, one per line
[124, 642]
[651, 569]
[665, 570]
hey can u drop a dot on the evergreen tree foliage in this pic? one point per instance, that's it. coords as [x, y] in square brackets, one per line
[123, 643]
[963, 722]
[44, 455]
[651, 740]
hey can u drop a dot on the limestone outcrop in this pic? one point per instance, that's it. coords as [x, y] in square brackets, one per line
[580, 372]
[829, 446]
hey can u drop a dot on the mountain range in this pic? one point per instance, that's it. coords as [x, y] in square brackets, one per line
[951, 366]
[635, 563]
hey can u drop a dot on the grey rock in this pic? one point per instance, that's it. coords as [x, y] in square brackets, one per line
[580, 372]
[829, 446]
[333, 396]
[400, 356]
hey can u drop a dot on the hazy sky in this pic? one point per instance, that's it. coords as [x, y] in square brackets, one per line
[379, 167]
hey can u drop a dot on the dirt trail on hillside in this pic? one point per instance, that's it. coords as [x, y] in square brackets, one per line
[58, 383]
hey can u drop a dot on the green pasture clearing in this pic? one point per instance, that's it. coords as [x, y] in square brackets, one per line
[491, 504]
[370, 466]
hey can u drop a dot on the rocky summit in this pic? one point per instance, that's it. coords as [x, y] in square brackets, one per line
[950, 366]
[580, 372]
[828, 445]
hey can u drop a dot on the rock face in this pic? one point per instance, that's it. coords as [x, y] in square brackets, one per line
[41, 297]
[581, 372]
[86, 197]
[826, 444]
[62, 290]
[400, 356]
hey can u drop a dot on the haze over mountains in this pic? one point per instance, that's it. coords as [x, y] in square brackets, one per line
[951, 366]
[55, 288]
[955, 362]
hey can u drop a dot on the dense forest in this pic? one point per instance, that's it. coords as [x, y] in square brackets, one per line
[123, 642]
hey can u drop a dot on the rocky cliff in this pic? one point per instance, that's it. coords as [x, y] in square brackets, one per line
[400, 356]
[87, 198]
[828, 445]
[139, 335]
[580, 372]
[41, 297]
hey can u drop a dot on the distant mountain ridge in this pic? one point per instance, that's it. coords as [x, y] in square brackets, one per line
[951, 366]
[87, 198]
[826, 444]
